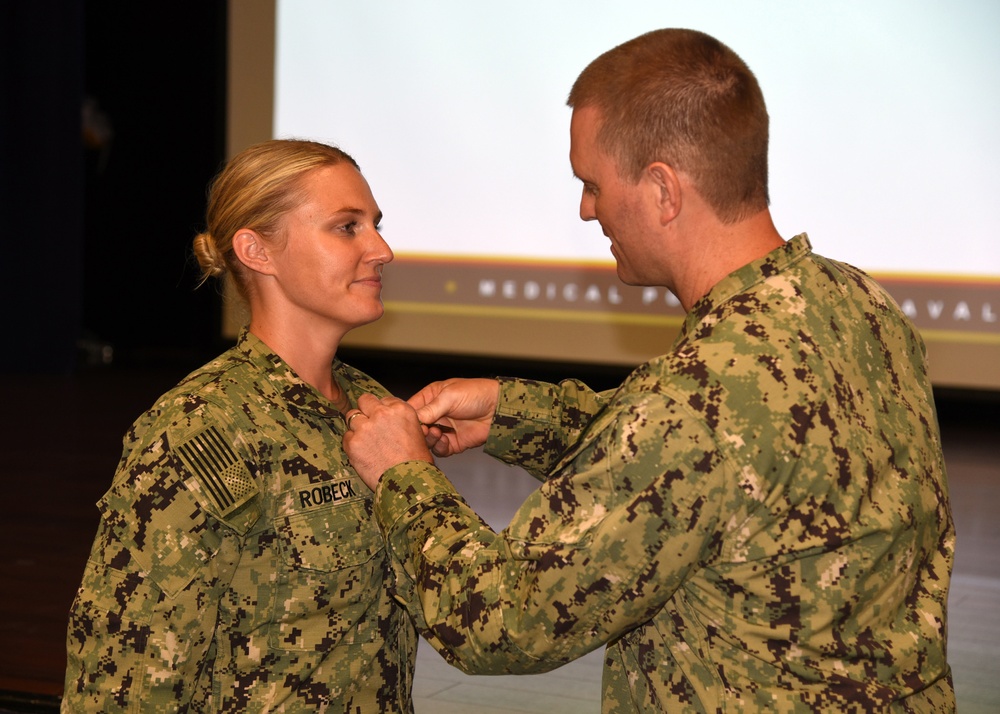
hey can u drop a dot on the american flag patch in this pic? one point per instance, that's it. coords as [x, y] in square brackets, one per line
[223, 475]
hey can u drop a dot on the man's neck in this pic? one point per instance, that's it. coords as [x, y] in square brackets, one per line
[718, 249]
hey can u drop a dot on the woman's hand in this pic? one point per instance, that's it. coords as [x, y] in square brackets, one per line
[382, 433]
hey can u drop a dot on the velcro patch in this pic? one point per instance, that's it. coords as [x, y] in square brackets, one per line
[223, 475]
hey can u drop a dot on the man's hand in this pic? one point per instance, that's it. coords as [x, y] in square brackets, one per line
[382, 434]
[466, 405]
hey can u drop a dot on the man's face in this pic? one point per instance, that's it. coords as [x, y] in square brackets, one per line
[621, 207]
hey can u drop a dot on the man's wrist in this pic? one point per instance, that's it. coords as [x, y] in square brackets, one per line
[405, 486]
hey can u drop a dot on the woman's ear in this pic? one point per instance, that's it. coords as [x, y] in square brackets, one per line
[251, 250]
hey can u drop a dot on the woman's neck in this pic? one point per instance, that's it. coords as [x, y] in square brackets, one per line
[310, 353]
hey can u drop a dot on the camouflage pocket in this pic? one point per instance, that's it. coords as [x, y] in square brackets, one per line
[332, 574]
[160, 522]
[121, 594]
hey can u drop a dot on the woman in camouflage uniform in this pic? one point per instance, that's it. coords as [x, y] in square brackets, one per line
[237, 566]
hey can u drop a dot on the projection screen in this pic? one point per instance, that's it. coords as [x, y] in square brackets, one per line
[884, 149]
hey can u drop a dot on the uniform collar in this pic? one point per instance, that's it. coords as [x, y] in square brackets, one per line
[283, 379]
[742, 279]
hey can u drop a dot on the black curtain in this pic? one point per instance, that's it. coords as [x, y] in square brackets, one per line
[112, 125]
[41, 185]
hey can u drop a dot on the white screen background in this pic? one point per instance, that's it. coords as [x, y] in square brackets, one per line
[884, 118]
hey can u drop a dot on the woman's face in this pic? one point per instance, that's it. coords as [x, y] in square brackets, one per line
[328, 260]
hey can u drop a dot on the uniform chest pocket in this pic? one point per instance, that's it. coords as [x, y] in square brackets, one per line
[332, 573]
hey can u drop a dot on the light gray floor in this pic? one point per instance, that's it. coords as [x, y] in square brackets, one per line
[974, 604]
[496, 490]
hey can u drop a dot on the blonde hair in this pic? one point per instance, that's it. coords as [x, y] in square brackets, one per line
[683, 98]
[255, 190]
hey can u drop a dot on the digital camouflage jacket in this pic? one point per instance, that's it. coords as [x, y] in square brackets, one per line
[756, 521]
[237, 567]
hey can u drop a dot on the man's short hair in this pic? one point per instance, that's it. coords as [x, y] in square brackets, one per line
[686, 99]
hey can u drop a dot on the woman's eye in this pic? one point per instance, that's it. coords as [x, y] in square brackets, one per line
[349, 228]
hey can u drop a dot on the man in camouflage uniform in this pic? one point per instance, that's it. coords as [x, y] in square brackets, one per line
[757, 520]
[237, 567]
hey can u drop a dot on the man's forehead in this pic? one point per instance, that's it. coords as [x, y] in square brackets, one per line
[587, 117]
[583, 145]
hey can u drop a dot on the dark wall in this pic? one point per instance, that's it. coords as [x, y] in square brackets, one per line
[157, 78]
[101, 205]
[41, 185]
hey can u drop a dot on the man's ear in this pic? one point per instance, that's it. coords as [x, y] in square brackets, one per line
[251, 250]
[667, 190]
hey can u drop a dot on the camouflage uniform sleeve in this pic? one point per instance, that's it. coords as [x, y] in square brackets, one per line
[598, 548]
[536, 422]
[141, 626]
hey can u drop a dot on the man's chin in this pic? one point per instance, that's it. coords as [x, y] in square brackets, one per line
[625, 276]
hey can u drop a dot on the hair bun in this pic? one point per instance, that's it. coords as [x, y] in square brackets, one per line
[212, 264]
